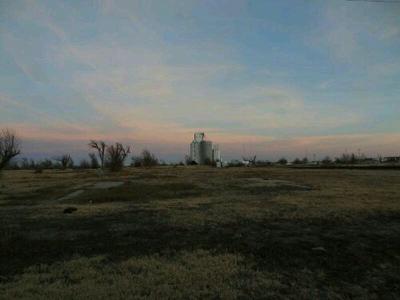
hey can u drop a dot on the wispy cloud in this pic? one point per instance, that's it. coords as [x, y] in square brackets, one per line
[348, 33]
[151, 74]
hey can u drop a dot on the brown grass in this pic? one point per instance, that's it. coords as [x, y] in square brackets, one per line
[193, 232]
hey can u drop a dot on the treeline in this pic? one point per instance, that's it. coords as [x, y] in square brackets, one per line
[145, 159]
[102, 156]
[114, 160]
[344, 159]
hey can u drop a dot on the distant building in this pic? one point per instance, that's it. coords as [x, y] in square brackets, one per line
[391, 159]
[202, 152]
[369, 161]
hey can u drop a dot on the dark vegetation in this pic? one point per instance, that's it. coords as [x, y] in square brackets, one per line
[69, 210]
[111, 156]
[100, 147]
[297, 161]
[65, 161]
[282, 161]
[146, 159]
[246, 233]
[94, 163]
[116, 155]
[9, 147]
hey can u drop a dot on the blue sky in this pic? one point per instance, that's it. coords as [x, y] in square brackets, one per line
[273, 78]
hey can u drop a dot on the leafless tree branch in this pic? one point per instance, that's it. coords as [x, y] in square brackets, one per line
[116, 155]
[100, 147]
[9, 147]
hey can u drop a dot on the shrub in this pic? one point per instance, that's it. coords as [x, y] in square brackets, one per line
[116, 155]
[263, 163]
[346, 159]
[94, 163]
[25, 164]
[84, 164]
[297, 161]
[136, 161]
[46, 164]
[13, 165]
[146, 159]
[65, 161]
[149, 159]
[326, 160]
[282, 161]
[235, 163]
[208, 162]
[188, 160]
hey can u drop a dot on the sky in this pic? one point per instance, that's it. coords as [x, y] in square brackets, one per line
[267, 78]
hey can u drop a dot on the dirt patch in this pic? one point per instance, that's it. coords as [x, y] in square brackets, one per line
[72, 195]
[137, 192]
[260, 185]
[104, 185]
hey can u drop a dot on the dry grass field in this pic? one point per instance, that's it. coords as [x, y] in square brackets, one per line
[200, 233]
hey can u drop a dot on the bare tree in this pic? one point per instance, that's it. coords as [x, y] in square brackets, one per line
[327, 160]
[9, 147]
[84, 164]
[65, 161]
[94, 163]
[116, 155]
[189, 161]
[149, 159]
[296, 161]
[101, 147]
[282, 161]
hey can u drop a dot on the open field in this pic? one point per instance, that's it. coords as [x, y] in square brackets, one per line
[193, 232]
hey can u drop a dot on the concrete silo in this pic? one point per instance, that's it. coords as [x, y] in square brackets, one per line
[216, 154]
[201, 151]
[206, 153]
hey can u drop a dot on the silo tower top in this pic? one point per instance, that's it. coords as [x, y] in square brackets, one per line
[199, 136]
